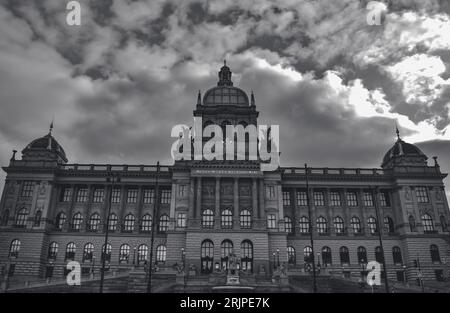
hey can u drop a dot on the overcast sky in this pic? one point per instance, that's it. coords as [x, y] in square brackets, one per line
[118, 83]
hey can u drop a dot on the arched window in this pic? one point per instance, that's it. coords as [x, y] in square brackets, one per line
[128, 224]
[124, 253]
[21, 218]
[291, 255]
[208, 218]
[379, 254]
[161, 254]
[412, 223]
[77, 220]
[70, 251]
[307, 254]
[344, 255]
[5, 218]
[52, 251]
[304, 225]
[427, 222]
[14, 248]
[247, 256]
[163, 223]
[389, 225]
[372, 223]
[88, 252]
[245, 219]
[112, 222]
[146, 223]
[326, 256]
[322, 226]
[434, 252]
[226, 248]
[227, 218]
[397, 255]
[443, 223]
[207, 256]
[94, 222]
[339, 225]
[288, 224]
[37, 218]
[356, 225]
[362, 255]
[60, 220]
[107, 256]
[142, 254]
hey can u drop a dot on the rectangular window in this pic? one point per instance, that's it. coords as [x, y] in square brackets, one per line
[384, 199]
[182, 190]
[335, 198]
[181, 220]
[421, 194]
[367, 199]
[82, 195]
[149, 196]
[165, 196]
[302, 198]
[99, 195]
[132, 195]
[27, 189]
[286, 198]
[318, 198]
[115, 196]
[270, 192]
[271, 221]
[66, 194]
[352, 200]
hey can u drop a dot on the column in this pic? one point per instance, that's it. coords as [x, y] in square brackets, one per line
[192, 198]
[254, 198]
[261, 199]
[236, 198]
[172, 207]
[280, 208]
[217, 198]
[295, 210]
[329, 211]
[198, 206]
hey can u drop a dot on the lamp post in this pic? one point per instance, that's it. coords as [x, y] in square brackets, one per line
[274, 263]
[310, 230]
[183, 257]
[381, 240]
[404, 274]
[419, 274]
[278, 258]
[134, 256]
[152, 237]
[93, 266]
[113, 178]
[318, 263]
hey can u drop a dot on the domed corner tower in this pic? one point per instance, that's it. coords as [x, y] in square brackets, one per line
[45, 148]
[419, 204]
[33, 192]
[403, 154]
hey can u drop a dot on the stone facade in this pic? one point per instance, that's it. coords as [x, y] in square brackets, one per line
[42, 185]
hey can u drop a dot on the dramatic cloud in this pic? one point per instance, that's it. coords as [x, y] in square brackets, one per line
[117, 84]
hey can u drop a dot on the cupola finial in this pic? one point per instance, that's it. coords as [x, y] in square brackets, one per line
[397, 131]
[199, 97]
[225, 75]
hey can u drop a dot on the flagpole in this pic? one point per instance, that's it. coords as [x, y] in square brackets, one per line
[310, 230]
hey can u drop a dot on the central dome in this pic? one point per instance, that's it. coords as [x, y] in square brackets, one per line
[225, 93]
